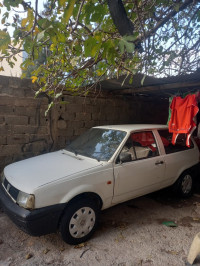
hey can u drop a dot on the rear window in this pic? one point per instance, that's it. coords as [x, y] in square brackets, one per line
[180, 145]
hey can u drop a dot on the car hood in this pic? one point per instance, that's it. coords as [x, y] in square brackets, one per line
[29, 174]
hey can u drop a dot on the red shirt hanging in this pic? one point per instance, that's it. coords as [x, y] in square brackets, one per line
[183, 113]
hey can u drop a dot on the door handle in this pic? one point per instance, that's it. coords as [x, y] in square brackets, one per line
[159, 162]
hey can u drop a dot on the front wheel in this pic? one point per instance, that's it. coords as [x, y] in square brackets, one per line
[184, 185]
[79, 221]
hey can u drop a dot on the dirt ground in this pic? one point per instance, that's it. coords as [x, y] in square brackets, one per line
[129, 234]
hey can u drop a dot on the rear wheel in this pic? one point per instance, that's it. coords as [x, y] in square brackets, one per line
[79, 221]
[185, 184]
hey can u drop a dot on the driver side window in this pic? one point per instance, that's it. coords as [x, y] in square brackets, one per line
[140, 145]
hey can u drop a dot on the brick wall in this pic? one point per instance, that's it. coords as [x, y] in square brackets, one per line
[25, 131]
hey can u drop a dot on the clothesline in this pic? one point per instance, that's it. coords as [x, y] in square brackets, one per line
[182, 94]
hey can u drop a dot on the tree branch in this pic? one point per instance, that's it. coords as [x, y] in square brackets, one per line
[166, 19]
[27, 5]
[119, 16]
[79, 13]
[85, 27]
[126, 27]
[35, 19]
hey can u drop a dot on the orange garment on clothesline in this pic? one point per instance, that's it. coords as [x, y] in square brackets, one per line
[183, 112]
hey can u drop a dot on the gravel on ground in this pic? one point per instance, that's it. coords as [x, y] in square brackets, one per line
[129, 234]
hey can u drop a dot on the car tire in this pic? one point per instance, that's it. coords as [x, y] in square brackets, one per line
[79, 221]
[184, 185]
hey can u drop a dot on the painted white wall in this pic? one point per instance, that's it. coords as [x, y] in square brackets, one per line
[16, 70]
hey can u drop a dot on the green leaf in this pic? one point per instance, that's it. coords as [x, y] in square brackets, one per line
[4, 41]
[23, 76]
[24, 21]
[44, 23]
[125, 44]
[5, 16]
[78, 49]
[170, 224]
[95, 50]
[61, 37]
[11, 64]
[130, 38]
[40, 35]
[89, 9]
[98, 13]
[30, 18]
[61, 2]
[68, 11]
[129, 47]
[88, 45]
[121, 46]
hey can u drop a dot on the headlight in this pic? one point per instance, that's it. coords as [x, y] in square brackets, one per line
[25, 200]
[2, 177]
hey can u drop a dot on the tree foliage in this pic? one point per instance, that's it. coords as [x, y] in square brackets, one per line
[90, 40]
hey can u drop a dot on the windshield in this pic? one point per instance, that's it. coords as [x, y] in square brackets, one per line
[97, 143]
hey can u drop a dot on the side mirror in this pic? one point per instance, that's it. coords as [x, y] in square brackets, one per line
[125, 157]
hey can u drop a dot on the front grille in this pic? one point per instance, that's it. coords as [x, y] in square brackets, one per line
[12, 191]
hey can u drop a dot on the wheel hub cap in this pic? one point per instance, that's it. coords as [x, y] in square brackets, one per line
[82, 222]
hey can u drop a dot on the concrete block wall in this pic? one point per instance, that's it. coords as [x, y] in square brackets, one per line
[26, 132]
[24, 129]
[82, 113]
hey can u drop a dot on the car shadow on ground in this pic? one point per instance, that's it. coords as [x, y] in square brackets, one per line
[127, 214]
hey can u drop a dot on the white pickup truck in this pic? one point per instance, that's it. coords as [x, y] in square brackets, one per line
[65, 190]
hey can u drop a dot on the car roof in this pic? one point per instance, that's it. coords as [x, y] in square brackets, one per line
[131, 127]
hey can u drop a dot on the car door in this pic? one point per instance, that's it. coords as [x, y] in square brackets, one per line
[178, 157]
[139, 168]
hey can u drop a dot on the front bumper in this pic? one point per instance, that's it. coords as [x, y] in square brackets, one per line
[34, 222]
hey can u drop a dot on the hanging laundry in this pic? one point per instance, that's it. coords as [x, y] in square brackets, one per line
[183, 112]
[170, 112]
[198, 96]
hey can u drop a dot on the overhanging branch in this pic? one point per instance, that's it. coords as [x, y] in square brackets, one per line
[167, 18]
[125, 26]
[119, 16]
